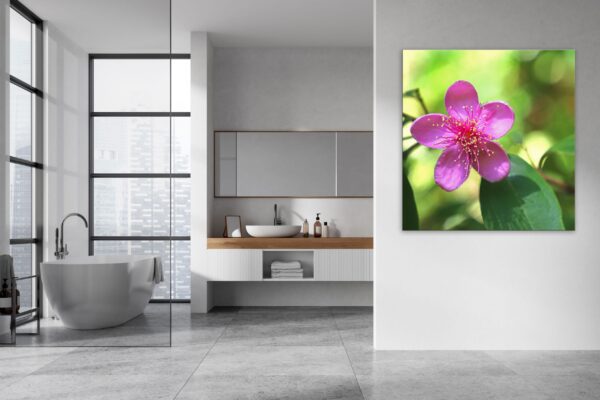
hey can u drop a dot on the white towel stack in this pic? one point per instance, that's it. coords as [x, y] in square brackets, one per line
[286, 270]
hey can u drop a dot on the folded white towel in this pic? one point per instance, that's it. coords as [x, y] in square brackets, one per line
[287, 275]
[286, 265]
[158, 270]
[287, 271]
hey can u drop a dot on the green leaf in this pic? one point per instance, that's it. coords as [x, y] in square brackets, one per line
[416, 94]
[558, 164]
[565, 147]
[469, 224]
[412, 93]
[521, 202]
[410, 215]
[406, 119]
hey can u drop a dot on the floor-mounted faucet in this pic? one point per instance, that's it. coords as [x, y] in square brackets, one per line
[61, 249]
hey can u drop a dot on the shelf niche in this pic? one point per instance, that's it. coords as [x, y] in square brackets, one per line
[306, 258]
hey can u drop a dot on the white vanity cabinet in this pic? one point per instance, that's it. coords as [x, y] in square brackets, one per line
[343, 265]
[234, 265]
[323, 260]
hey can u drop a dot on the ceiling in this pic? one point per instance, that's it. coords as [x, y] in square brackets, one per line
[143, 25]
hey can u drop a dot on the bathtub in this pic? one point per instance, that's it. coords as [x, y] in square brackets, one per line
[98, 291]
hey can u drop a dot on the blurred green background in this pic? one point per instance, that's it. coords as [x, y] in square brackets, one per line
[540, 88]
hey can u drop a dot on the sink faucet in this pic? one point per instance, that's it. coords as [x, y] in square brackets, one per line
[61, 251]
[276, 220]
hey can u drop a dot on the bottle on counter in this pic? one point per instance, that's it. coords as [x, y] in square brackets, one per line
[305, 228]
[5, 299]
[325, 230]
[18, 298]
[317, 229]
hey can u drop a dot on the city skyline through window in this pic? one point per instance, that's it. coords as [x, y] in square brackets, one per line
[25, 139]
[140, 167]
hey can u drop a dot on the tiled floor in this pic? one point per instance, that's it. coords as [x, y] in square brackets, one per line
[306, 353]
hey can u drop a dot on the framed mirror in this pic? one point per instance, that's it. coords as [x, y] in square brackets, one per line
[233, 226]
[293, 164]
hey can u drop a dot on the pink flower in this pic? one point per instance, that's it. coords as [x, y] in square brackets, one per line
[467, 136]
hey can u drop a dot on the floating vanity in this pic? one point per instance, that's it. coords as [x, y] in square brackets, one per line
[336, 259]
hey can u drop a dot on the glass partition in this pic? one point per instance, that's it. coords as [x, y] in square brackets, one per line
[116, 145]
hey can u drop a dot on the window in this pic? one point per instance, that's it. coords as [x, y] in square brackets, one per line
[25, 137]
[140, 162]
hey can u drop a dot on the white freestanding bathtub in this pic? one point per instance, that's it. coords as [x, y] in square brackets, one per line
[98, 291]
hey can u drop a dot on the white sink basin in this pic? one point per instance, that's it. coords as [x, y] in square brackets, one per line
[273, 230]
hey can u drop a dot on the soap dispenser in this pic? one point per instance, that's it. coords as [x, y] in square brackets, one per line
[305, 228]
[317, 229]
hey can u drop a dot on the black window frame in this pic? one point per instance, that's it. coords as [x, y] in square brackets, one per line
[36, 90]
[93, 175]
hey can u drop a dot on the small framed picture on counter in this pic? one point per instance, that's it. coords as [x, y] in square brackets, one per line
[233, 226]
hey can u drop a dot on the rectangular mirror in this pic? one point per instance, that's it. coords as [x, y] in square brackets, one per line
[293, 164]
[355, 164]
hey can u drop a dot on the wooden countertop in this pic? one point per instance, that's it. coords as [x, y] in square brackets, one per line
[291, 243]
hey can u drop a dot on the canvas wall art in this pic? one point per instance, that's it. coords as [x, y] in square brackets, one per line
[488, 140]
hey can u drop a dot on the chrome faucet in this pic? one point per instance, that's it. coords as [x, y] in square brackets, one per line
[276, 220]
[61, 251]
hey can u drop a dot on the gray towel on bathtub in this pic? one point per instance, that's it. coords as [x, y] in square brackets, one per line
[158, 270]
[6, 268]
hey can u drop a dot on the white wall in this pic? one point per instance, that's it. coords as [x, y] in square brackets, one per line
[490, 290]
[4, 126]
[65, 140]
[293, 294]
[296, 88]
[346, 217]
[201, 65]
[293, 88]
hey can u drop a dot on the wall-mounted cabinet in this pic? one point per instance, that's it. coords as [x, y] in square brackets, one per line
[330, 265]
[293, 164]
[234, 265]
[344, 265]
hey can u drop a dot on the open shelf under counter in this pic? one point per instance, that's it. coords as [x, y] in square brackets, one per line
[291, 243]
[289, 280]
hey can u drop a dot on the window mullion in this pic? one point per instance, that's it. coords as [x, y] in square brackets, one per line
[100, 167]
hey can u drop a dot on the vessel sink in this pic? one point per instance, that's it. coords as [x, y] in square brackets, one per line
[273, 230]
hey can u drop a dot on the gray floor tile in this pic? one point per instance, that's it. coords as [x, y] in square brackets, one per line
[94, 387]
[352, 310]
[583, 386]
[418, 386]
[127, 361]
[289, 387]
[196, 335]
[225, 359]
[349, 321]
[277, 353]
[16, 363]
[452, 363]
[284, 310]
[549, 362]
[289, 329]
[355, 328]
[150, 329]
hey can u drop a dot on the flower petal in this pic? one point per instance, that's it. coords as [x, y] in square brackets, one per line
[492, 164]
[452, 168]
[429, 130]
[498, 118]
[462, 100]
